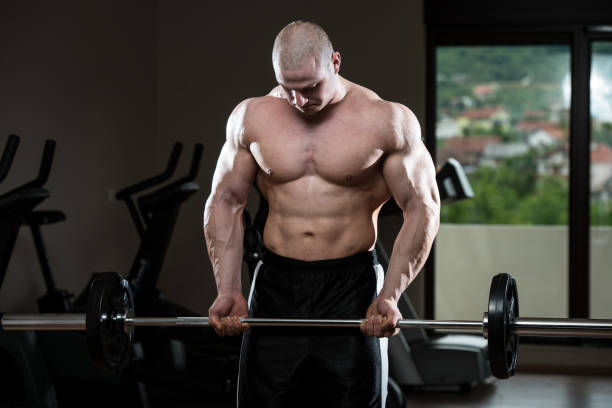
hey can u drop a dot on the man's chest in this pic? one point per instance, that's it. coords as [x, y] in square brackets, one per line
[342, 152]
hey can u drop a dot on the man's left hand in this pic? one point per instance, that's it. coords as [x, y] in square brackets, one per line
[381, 318]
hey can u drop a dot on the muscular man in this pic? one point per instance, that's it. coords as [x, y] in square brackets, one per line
[327, 154]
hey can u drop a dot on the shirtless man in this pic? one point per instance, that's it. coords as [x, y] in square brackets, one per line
[326, 154]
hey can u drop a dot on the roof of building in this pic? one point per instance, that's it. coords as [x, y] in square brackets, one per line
[482, 113]
[465, 149]
[483, 90]
[601, 153]
[549, 127]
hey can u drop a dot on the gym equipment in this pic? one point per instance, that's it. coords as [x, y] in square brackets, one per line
[109, 323]
[503, 339]
[47, 368]
[453, 184]
[175, 364]
[24, 371]
[54, 300]
[155, 217]
[110, 299]
[8, 155]
[15, 204]
[167, 362]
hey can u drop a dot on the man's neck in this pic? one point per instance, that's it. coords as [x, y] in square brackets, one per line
[342, 89]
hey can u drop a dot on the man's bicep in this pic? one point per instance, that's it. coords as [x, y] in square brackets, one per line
[235, 173]
[411, 178]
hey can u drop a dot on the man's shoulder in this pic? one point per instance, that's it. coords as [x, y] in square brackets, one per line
[253, 111]
[384, 109]
[401, 114]
[405, 130]
[397, 124]
[257, 104]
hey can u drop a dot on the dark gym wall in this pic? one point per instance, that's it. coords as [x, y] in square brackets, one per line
[212, 55]
[82, 73]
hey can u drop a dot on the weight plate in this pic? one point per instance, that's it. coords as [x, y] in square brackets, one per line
[109, 339]
[503, 311]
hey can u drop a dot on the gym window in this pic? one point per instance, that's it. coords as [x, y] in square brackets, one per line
[502, 112]
[524, 101]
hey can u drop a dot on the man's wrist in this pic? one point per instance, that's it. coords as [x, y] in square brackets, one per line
[392, 295]
[229, 292]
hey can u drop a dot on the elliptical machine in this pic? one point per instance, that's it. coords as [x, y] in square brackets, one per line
[186, 363]
[55, 366]
[172, 365]
[26, 380]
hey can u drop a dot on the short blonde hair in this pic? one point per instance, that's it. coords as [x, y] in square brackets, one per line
[297, 42]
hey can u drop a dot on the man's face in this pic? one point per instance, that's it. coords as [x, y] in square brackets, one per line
[308, 89]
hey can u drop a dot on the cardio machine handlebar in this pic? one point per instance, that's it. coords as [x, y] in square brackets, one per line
[9, 154]
[160, 178]
[43, 171]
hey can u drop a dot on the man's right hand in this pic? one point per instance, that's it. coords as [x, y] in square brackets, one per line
[225, 312]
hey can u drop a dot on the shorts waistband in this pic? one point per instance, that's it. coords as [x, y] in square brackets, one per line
[360, 258]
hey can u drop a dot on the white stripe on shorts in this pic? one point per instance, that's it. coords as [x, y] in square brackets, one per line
[384, 358]
[249, 306]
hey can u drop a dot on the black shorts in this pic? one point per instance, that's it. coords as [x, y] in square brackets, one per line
[313, 367]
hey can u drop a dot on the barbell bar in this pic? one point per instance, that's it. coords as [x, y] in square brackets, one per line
[522, 326]
[110, 322]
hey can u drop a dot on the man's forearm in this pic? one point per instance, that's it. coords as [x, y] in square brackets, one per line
[224, 233]
[411, 248]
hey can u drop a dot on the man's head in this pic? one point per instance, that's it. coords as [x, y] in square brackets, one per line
[306, 66]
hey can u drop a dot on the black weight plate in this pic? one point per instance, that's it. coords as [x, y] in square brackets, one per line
[108, 338]
[503, 311]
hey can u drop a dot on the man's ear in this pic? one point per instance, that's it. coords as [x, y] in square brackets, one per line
[336, 60]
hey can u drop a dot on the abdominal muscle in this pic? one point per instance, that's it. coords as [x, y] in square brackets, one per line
[310, 219]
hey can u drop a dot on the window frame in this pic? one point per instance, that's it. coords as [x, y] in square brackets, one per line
[579, 38]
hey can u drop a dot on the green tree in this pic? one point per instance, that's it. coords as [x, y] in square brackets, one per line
[512, 193]
[547, 205]
[601, 212]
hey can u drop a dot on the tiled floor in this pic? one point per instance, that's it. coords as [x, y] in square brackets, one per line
[526, 390]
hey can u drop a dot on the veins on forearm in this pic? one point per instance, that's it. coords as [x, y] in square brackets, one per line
[223, 232]
[411, 247]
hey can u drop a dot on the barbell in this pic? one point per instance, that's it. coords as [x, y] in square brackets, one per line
[109, 323]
